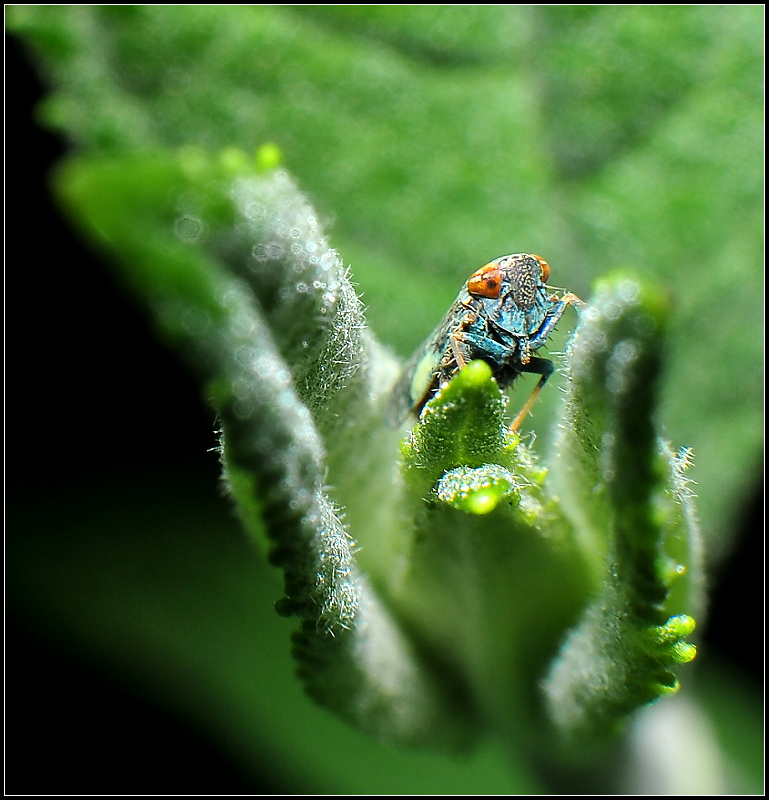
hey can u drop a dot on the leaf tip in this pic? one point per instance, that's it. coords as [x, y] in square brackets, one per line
[477, 491]
[268, 157]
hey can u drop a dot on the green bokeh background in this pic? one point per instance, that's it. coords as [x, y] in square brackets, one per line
[430, 139]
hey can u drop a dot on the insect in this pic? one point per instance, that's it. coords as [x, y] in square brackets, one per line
[503, 314]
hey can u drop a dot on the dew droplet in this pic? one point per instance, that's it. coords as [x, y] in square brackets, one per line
[189, 229]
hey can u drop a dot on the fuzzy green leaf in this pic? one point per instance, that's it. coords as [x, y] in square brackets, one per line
[617, 478]
[242, 283]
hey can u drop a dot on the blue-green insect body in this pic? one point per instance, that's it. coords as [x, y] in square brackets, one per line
[502, 315]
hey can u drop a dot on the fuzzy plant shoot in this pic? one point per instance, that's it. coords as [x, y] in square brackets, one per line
[444, 588]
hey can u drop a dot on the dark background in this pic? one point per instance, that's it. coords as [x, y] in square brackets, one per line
[69, 728]
[62, 713]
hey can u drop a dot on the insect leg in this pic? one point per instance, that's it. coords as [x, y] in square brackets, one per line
[539, 366]
[471, 340]
[552, 319]
[455, 341]
[479, 345]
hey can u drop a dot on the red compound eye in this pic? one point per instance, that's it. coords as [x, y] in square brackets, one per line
[545, 267]
[486, 281]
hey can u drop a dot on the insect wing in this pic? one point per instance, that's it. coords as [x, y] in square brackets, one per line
[421, 369]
